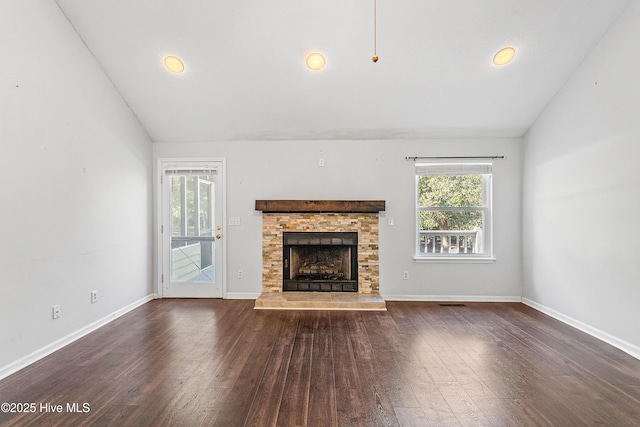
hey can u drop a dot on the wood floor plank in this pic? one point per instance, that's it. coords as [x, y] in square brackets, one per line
[294, 407]
[350, 407]
[222, 363]
[434, 406]
[511, 412]
[236, 347]
[392, 353]
[461, 404]
[322, 396]
[411, 417]
[268, 397]
[116, 415]
[247, 376]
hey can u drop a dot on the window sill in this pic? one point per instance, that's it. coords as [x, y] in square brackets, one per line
[453, 260]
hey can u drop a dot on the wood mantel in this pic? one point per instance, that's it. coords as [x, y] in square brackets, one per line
[311, 206]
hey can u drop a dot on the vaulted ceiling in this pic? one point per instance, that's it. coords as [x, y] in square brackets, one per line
[245, 75]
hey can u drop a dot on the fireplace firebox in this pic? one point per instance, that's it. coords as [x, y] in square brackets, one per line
[321, 262]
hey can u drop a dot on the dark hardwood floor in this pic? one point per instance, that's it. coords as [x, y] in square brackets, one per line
[222, 363]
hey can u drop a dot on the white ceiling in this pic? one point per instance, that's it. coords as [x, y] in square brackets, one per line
[245, 76]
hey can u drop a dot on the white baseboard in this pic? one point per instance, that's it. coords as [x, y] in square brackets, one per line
[627, 347]
[242, 295]
[27, 360]
[452, 298]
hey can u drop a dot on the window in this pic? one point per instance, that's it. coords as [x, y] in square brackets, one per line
[192, 220]
[453, 210]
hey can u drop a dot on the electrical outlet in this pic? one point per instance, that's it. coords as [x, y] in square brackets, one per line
[57, 311]
[240, 274]
[321, 162]
[405, 275]
[94, 297]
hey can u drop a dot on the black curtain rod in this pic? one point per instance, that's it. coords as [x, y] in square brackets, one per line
[452, 157]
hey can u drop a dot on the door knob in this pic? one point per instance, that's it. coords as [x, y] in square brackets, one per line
[218, 236]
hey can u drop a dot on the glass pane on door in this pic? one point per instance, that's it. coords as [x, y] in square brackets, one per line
[192, 228]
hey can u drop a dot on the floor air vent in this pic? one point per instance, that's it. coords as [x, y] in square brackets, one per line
[452, 305]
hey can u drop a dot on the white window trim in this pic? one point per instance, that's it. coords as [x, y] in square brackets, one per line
[441, 168]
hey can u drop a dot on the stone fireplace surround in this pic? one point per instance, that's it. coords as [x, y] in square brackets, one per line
[279, 216]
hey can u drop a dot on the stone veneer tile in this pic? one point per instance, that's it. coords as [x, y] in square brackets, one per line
[275, 224]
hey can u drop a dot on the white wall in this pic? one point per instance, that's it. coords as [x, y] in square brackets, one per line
[365, 170]
[581, 231]
[75, 186]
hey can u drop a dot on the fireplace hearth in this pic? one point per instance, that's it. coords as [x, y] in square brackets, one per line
[320, 262]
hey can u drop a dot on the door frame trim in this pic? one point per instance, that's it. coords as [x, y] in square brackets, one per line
[158, 214]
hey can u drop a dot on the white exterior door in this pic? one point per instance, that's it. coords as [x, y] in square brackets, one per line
[192, 229]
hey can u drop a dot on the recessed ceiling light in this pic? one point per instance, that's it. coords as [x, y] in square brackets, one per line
[173, 64]
[504, 56]
[315, 61]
